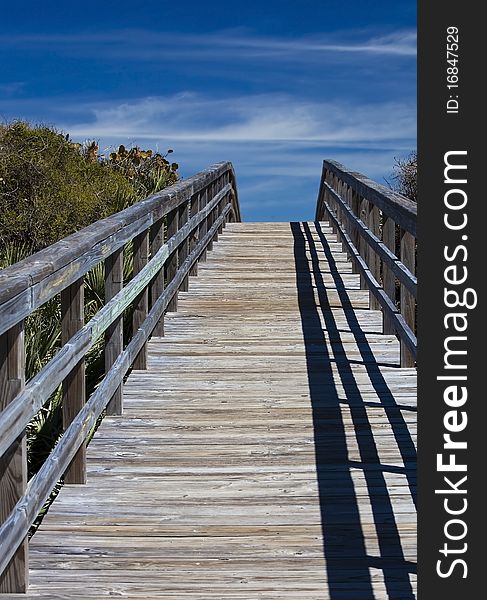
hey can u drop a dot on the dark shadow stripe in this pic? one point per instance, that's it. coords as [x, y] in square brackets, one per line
[399, 426]
[343, 539]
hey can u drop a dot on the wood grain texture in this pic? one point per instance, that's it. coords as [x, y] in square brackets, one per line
[408, 303]
[401, 209]
[266, 452]
[30, 283]
[404, 331]
[172, 261]
[114, 332]
[157, 285]
[388, 279]
[373, 259]
[371, 240]
[17, 524]
[13, 464]
[141, 303]
[195, 206]
[74, 392]
[184, 245]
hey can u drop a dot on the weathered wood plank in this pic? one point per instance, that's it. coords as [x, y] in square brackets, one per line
[245, 439]
[402, 210]
[195, 206]
[38, 278]
[370, 246]
[172, 261]
[408, 302]
[373, 258]
[141, 303]
[404, 331]
[389, 281]
[157, 286]
[19, 412]
[13, 463]
[114, 332]
[16, 526]
[74, 389]
[184, 245]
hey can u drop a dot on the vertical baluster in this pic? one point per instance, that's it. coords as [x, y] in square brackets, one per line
[13, 464]
[172, 261]
[227, 199]
[202, 229]
[331, 203]
[216, 189]
[342, 187]
[363, 246]
[408, 304]
[388, 278]
[354, 201]
[72, 320]
[114, 333]
[320, 211]
[183, 246]
[222, 202]
[211, 216]
[194, 238]
[337, 185]
[373, 259]
[157, 286]
[141, 303]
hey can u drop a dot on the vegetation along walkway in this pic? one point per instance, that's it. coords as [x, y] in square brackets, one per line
[267, 449]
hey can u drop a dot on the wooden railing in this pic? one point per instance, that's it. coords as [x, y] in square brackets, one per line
[377, 228]
[171, 231]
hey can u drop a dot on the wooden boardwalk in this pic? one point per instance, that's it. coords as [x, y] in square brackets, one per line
[267, 452]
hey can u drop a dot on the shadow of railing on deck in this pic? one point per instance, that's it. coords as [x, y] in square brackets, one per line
[347, 562]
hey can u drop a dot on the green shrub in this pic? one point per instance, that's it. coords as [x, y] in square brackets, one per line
[49, 187]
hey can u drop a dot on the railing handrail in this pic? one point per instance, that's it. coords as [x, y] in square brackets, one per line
[17, 415]
[196, 211]
[369, 219]
[36, 279]
[403, 210]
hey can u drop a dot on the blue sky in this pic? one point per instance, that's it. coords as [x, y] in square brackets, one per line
[273, 86]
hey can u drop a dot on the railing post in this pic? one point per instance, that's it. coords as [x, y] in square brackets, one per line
[337, 187]
[141, 303]
[388, 278]
[157, 287]
[363, 246]
[408, 305]
[13, 464]
[203, 226]
[374, 260]
[172, 261]
[216, 210]
[325, 198]
[183, 246]
[221, 204]
[114, 333]
[74, 387]
[194, 237]
[210, 218]
[354, 202]
[331, 202]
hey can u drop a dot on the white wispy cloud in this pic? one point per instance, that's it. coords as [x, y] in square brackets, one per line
[263, 117]
[10, 88]
[136, 44]
[277, 142]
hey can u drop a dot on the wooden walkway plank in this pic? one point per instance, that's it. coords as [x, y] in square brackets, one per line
[268, 451]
